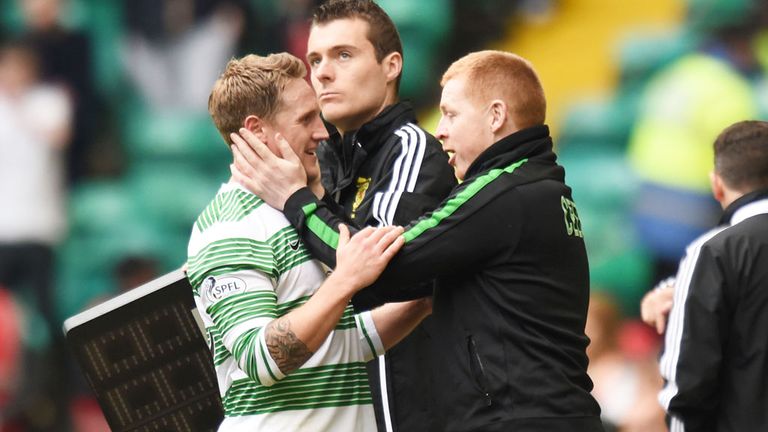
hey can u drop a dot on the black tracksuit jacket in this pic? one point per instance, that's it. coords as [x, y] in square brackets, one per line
[389, 172]
[511, 291]
[715, 360]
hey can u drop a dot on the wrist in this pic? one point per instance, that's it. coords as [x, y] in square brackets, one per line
[342, 284]
[296, 202]
[317, 189]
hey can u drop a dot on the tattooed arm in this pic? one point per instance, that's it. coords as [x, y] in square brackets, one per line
[294, 337]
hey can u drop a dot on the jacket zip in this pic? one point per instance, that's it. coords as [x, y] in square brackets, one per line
[482, 379]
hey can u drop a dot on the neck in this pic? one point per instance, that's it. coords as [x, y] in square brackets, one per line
[729, 196]
[353, 124]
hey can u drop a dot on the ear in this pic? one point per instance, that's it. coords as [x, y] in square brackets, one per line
[393, 66]
[499, 115]
[258, 126]
[718, 189]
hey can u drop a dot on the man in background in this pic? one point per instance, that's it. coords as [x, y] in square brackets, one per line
[714, 360]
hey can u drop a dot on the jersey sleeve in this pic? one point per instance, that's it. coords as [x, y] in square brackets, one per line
[371, 343]
[234, 280]
[318, 222]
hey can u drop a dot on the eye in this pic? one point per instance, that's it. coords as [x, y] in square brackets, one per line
[313, 62]
[344, 55]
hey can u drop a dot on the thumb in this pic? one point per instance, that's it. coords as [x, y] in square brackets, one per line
[343, 236]
[286, 152]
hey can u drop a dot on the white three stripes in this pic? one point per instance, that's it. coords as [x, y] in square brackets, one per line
[405, 172]
[674, 334]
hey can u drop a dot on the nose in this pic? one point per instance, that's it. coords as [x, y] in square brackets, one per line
[442, 131]
[323, 71]
[320, 133]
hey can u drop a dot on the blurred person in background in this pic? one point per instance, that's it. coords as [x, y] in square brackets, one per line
[684, 107]
[174, 49]
[379, 168]
[65, 60]
[626, 385]
[714, 359]
[35, 123]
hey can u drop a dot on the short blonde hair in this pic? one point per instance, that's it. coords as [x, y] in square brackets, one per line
[501, 75]
[252, 85]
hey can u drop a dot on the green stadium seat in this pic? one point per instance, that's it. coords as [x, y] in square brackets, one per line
[597, 123]
[603, 187]
[423, 27]
[172, 136]
[96, 206]
[111, 220]
[642, 54]
[173, 195]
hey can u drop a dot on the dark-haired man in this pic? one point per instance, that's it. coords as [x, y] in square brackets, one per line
[714, 360]
[378, 168]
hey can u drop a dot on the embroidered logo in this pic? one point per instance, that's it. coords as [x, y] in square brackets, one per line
[362, 187]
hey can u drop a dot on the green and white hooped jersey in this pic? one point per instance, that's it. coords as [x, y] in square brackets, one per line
[248, 266]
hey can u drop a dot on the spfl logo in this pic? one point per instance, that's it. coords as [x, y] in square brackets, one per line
[217, 289]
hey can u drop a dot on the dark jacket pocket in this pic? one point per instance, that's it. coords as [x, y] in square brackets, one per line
[478, 370]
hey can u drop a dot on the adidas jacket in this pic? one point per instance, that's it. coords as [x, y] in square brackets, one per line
[388, 172]
[715, 362]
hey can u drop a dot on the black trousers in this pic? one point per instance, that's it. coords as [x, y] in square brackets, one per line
[26, 269]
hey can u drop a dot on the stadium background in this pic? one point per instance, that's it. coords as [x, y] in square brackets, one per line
[145, 158]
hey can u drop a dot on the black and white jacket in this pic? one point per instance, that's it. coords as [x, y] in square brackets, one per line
[715, 360]
[388, 172]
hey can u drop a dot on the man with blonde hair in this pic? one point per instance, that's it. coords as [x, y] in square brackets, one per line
[288, 349]
[506, 252]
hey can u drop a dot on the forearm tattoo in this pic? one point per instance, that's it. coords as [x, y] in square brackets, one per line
[288, 351]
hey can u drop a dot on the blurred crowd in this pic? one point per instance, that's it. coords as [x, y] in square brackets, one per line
[107, 154]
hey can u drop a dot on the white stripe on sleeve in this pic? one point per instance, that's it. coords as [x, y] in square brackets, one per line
[405, 173]
[674, 334]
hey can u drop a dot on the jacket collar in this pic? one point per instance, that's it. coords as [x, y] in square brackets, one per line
[533, 142]
[370, 135]
[745, 206]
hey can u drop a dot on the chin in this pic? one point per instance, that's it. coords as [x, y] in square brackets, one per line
[336, 115]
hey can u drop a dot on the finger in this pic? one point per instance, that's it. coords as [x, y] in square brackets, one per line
[661, 323]
[246, 152]
[241, 178]
[392, 234]
[378, 234]
[645, 316]
[252, 142]
[286, 152]
[243, 165]
[365, 233]
[393, 248]
[343, 236]
[666, 306]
